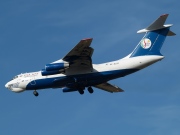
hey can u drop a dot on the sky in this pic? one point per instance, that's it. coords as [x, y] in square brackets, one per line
[37, 32]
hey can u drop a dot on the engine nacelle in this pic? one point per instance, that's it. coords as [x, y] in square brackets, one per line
[56, 66]
[66, 89]
[44, 72]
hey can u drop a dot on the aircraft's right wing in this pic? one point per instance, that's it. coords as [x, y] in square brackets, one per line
[108, 87]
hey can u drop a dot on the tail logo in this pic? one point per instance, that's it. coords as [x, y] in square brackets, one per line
[145, 43]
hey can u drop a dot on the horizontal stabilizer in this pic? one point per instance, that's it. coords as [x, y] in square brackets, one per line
[109, 87]
[158, 24]
[170, 33]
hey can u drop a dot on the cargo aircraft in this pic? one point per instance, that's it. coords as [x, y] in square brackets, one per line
[75, 71]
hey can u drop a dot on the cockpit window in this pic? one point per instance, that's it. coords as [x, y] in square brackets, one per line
[15, 77]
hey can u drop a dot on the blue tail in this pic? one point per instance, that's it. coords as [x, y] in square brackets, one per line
[154, 38]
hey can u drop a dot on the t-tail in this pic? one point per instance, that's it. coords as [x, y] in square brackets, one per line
[154, 38]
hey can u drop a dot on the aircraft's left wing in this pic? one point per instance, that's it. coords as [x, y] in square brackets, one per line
[108, 87]
[81, 54]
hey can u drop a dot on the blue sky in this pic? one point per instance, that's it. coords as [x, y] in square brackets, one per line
[34, 33]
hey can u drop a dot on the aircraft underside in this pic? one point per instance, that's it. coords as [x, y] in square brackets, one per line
[78, 82]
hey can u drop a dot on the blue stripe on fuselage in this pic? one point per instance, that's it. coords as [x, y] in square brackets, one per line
[83, 80]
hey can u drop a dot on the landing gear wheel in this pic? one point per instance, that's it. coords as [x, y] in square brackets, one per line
[35, 93]
[81, 92]
[90, 90]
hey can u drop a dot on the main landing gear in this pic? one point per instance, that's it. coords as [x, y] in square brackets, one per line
[35, 93]
[89, 89]
[81, 92]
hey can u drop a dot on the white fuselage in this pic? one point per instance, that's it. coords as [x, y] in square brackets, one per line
[26, 81]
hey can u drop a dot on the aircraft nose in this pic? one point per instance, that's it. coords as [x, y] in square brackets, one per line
[7, 85]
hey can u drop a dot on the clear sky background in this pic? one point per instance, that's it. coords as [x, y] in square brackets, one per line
[34, 33]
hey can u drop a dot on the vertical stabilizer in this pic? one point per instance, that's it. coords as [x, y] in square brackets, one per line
[154, 38]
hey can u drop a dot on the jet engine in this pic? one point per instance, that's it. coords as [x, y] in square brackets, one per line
[44, 72]
[54, 68]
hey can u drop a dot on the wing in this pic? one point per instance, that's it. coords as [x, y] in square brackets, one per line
[109, 87]
[80, 55]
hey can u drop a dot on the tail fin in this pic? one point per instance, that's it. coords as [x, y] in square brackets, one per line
[154, 38]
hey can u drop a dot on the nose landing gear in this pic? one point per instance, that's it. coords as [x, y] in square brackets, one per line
[35, 93]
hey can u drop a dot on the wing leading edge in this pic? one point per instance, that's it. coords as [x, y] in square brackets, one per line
[109, 87]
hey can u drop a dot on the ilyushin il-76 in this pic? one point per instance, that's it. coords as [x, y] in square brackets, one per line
[76, 72]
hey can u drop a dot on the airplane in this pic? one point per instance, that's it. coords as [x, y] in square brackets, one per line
[75, 71]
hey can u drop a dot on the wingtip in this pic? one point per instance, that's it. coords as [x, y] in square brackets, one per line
[164, 15]
[87, 39]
